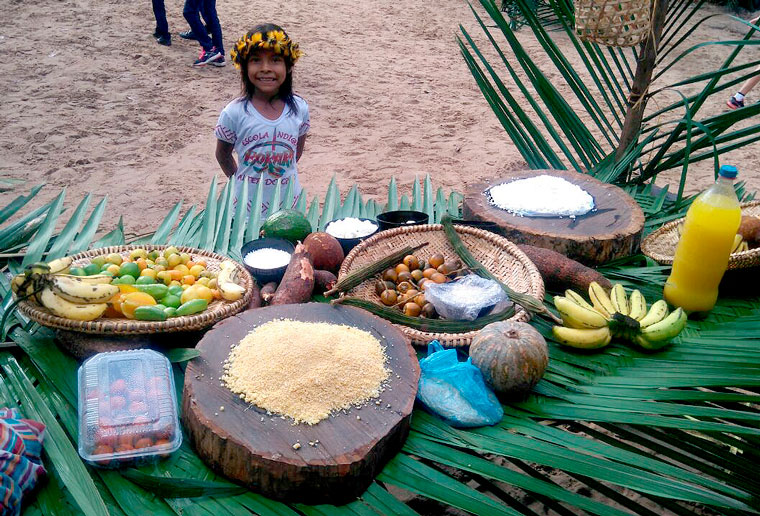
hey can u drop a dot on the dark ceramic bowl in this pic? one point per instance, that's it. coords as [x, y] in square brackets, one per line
[349, 243]
[400, 219]
[264, 276]
[479, 224]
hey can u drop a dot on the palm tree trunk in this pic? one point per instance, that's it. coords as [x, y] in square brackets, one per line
[642, 79]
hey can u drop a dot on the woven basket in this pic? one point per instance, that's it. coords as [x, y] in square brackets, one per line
[216, 311]
[497, 254]
[661, 244]
[618, 23]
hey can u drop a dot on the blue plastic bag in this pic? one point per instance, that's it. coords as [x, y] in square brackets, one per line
[455, 390]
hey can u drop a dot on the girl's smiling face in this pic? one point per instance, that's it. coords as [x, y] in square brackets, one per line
[267, 71]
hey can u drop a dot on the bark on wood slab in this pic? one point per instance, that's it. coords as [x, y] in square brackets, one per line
[84, 345]
[611, 231]
[245, 444]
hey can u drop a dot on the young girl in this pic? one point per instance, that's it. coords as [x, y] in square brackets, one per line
[267, 125]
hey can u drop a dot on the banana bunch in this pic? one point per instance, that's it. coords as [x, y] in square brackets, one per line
[591, 325]
[740, 245]
[81, 298]
[225, 281]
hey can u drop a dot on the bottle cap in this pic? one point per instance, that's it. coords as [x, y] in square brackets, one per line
[728, 171]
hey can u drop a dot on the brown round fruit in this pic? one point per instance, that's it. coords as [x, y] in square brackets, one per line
[390, 275]
[412, 262]
[428, 310]
[412, 309]
[420, 299]
[401, 268]
[421, 284]
[405, 276]
[403, 287]
[325, 251]
[436, 260]
[389, 297]
[428, 272]
[445, 269]
[438, 278]
[380, 286]
[416, 275]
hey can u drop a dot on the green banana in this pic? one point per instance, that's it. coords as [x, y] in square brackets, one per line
[659, 334]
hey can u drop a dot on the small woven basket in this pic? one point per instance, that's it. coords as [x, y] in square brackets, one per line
[497, 254]
[216, 311]
[618, 23]
[661, 244]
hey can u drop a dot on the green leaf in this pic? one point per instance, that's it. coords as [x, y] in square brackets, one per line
[39, 244]
[181, 487]
[392, 196]
[176, 355]
[84, 238]
[209, 219]
[238, 223]
[114, 237]
[66, 236]
[16, 204]
[255, 213]
[162, 233]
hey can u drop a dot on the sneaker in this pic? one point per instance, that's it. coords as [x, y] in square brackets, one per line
[206, 57]
[188, 34]
[164, 40]
[732, 103]
[217, 61]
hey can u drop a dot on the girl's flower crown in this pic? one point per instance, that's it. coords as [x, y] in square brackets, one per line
[275, 40]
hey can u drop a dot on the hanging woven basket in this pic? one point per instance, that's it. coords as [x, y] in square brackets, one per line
[614, 23]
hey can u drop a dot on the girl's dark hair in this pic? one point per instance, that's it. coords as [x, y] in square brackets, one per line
[285, 92]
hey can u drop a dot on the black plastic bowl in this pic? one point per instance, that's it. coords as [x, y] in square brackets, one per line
[400, 219]
[264, 276]
[349, 243]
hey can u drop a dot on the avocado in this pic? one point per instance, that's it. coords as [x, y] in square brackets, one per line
[288, 224]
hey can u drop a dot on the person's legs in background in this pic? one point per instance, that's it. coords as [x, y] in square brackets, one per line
[208, 53]
[208, 11]
[737, 100]
[161, 34]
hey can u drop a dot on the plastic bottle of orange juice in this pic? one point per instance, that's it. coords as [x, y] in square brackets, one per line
[702, 254]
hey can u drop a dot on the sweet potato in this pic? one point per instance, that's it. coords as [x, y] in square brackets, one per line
[560, 272]
[267, 291]
[298, 282]
[323, 281]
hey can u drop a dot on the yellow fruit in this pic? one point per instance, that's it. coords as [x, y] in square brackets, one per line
[197, 292]
[202, 281]
[188, 279]
[196, 270]
[133, 300]
[212, 283]
[138, 253]
[173, 260]
[184, 257]
[113, 269]
[182, 268]
[164, 276]
[170, 251]
[127, 289]
[114, 258]
[151, 273]
[173, 283]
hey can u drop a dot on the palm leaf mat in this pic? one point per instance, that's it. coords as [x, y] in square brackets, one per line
[679, 428]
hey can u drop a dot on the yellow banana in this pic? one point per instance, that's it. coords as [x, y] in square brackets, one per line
[637, 308]
[60, 265]
[95, 279]
[62, 308]
[576, 298]
[667, 328]
[576, 316]
[657, 312]
[582, 338]
[77, 291]
[225, 281]
[619, 299]
[600, 299]
[737, 243]
[16, 283]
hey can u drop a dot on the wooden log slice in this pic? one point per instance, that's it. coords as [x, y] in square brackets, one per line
[612, 230]
[245, 444]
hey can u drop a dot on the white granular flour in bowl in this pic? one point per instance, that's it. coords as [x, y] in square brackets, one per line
[542, 196]
[306, 370]
[350, 227]
[267, 258]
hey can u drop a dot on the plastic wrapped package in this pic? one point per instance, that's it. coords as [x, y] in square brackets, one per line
[455, 390]
[465, 299]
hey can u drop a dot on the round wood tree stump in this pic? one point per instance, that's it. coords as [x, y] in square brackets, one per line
[611, 231]
[333, 461]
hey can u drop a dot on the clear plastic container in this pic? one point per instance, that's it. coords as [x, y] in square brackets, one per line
[127, 408]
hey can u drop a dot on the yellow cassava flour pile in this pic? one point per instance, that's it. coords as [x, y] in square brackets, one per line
[306, 370]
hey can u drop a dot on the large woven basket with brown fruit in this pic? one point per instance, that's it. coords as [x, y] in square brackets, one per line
[437, 262]
[661, 244]
[132, 290]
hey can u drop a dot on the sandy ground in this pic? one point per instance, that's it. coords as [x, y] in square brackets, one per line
[93, 104]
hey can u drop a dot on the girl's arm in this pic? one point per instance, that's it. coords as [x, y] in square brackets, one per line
[225, 157]
[299, 146]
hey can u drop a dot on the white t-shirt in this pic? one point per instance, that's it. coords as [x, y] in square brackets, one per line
[266, 149]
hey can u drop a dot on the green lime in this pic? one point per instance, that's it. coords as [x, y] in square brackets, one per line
[106, 273]
[153, 255]
[145, 280]
[170, 311]
[105, 266]
[99, 261]
[91, 269]
[176, 290]
[171, 300]
[129, 269]
[77, 271]
[125, 280]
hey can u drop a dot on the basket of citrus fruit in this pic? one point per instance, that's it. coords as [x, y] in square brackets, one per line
[133, 290]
